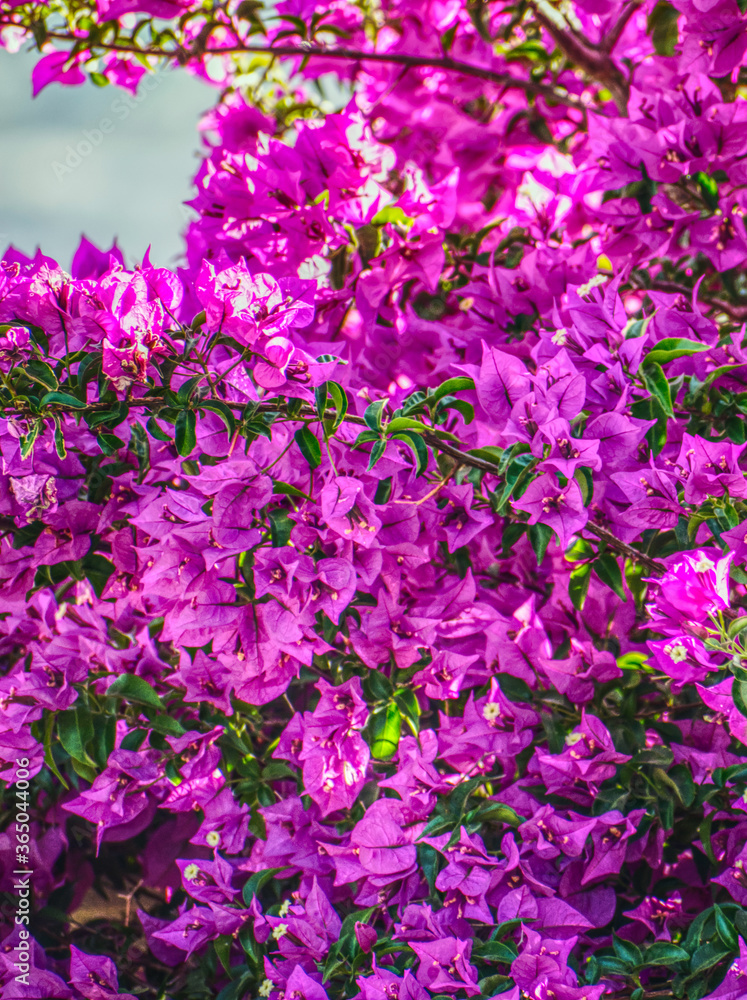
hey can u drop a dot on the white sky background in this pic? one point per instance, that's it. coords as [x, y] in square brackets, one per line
[130, 185]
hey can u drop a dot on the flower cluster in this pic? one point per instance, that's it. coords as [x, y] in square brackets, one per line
[373, 588]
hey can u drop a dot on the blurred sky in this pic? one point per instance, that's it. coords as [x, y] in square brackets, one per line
[129, 182]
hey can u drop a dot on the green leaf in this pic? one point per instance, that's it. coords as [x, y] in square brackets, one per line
[404, 424]
[309, 445]
[671, 348]
[97, 569]
[608, 570]
[725, 929]
[585, 479]
[514, 688]
[739, 694]
[409, 706]
[418, 447]
[658, 385]
[155, 431]
[539, 537]
[383, 491]
[280, 526]
[490, 986]
[184, 394]
[222, 947]
[377, 452]
[258, 880]
[627, 951]
[75, 730]
[429, 862]
[140, 447]
[340, 400]
[659, 756]
[736, 626]
[320, 399]
[706, 957]
[40, 372]
[386, 727]
[223, 411]
[59, 439]
[495, 951]
[448, 387]
[62, 399]
[466, 409]
[278, 486]
[135, 689]
[578, 585]
[109, 443]
[374, 415]
[185, 432]
[662, 26]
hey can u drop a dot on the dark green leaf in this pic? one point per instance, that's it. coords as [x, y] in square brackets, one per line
[184, 394]
[539, 536]
[39, 371]
[320, 399]
[726, 929]
[706, 957]
[418, 447]
[608, 570]
[278, 486]
[223, 411]
[383, 491]
[514, 688]
[185, 432]
[627, 951]
[75, 730]
[62, 399]
[280, 527]
[309, 445]
[109, 443]
[258, 881]
[377, 452]
[340, 400]
[135, 689]
[495, 951]
[155, 431]
[660, 756]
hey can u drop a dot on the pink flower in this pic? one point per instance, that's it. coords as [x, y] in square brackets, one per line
[695, 587]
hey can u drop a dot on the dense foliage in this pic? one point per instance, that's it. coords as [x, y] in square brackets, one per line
[373, 589]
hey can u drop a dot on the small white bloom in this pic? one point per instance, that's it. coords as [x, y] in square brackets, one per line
[491, 711]
[573, 738]
[676, 652]
[279, 931]
[284, 907]
[560, 337]
[191, 872]
[212, 839]
[266, 988]
[704, 564]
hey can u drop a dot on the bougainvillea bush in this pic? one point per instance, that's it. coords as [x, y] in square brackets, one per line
[373, 588]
